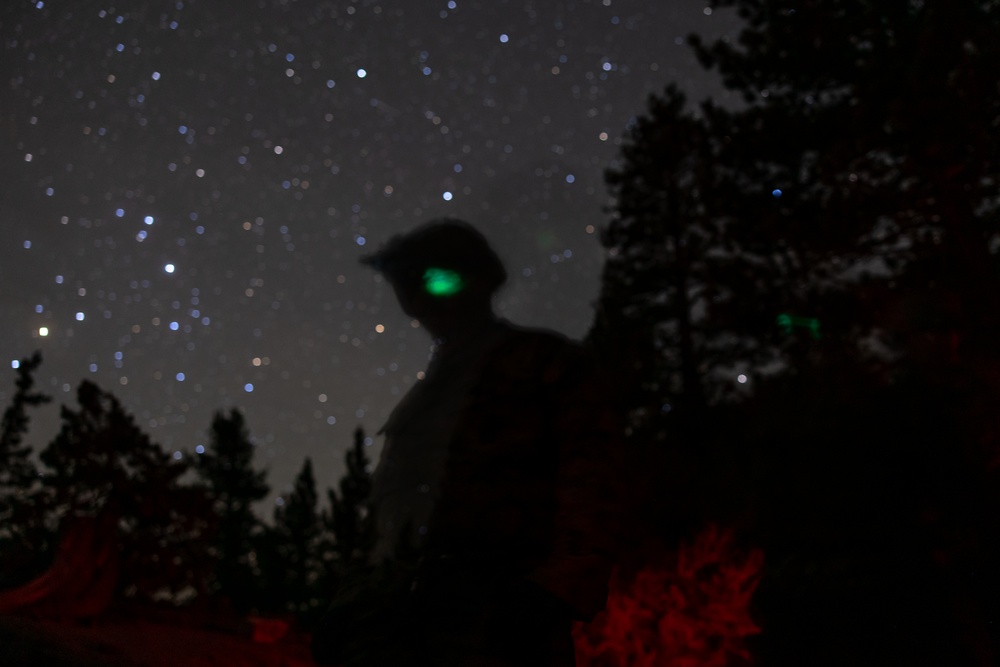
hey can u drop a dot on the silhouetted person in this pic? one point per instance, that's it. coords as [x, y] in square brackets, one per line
[493, 497]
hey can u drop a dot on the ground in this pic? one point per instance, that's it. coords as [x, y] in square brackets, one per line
[138, 642]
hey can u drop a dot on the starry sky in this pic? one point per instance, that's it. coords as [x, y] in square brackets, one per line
[186, 188]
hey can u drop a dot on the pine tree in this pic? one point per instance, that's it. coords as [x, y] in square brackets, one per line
[866, 153]
[100, 462]
[845, 214]
[18, 475]
[848, 208]
[876, 121]
[348, 519]
[348, 528]
[345, 547]
[847, 221]
[684, 300]
[232, 486]
[645, 310]
[295, 543]
[22, 538]
[87, 460]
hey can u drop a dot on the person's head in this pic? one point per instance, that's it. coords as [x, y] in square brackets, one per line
[444, 273]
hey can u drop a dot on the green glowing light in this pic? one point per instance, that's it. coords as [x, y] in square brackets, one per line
[442, 282]
[787, 322]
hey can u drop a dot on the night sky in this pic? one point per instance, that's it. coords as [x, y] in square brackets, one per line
[186, 188]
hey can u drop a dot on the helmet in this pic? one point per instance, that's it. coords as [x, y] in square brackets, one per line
[437, 249]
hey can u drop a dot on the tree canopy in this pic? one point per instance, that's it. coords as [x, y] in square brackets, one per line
[802, 300]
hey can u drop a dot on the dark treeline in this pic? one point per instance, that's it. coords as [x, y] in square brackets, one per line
[801, 308]
[174, 531]
[835, 240]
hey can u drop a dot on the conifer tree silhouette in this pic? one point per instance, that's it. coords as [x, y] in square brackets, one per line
[841, 228]
[348, 521]
[22, 530]
[100, 462]
[296, 542]
[233, 485]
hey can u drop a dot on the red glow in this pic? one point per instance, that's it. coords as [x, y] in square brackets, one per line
[691, 611]
[268, 630]
[81, 581]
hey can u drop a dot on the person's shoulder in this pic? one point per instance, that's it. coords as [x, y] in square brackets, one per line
[539, 348]
[517, 335]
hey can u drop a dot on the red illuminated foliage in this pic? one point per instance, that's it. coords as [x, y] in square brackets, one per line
[690, 611]
[268, 630]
